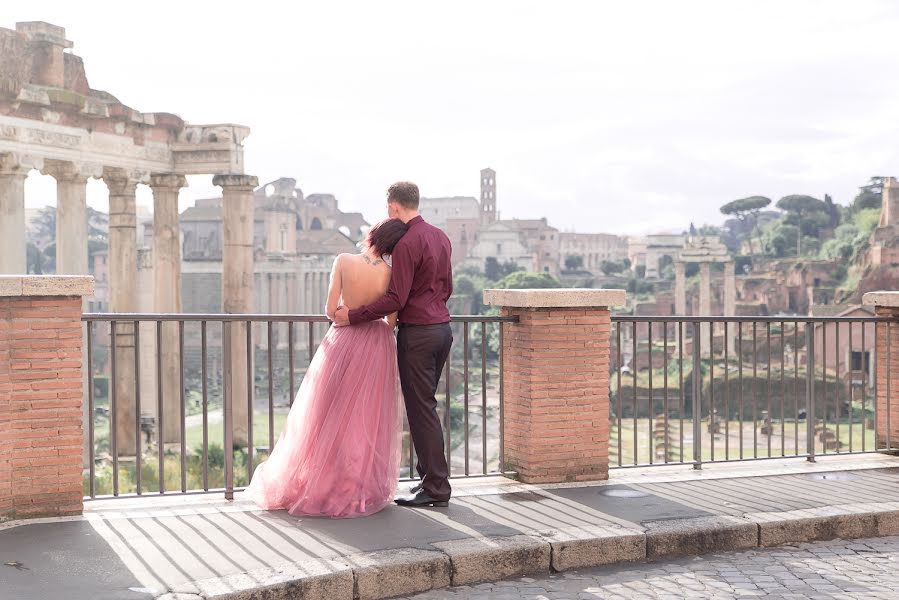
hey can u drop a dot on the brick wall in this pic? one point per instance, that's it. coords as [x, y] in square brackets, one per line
[887, 336]
[41, 433]
[556, 367]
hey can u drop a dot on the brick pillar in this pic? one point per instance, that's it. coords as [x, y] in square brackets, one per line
[41, 394]
[556, 381]
[886, 357]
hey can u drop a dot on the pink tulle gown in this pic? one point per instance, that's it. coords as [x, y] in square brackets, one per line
[339, 453]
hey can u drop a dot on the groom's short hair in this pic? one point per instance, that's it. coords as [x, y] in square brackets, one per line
[404, 193]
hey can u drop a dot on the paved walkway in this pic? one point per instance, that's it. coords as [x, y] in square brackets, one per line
[858, 569]
[494, 529]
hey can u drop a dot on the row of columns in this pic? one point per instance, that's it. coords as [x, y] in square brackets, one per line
[72, 258]
[705, 293]
[705, 288]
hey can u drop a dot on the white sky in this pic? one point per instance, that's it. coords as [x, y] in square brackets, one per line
[619, 117]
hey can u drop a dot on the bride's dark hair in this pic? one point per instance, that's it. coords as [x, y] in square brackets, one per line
[384, 236]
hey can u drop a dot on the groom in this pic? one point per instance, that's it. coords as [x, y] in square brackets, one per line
[420, 285]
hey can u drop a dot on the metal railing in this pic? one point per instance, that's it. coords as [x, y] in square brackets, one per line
[161, 398]
[692, 390]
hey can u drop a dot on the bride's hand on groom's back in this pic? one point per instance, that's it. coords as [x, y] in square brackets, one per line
[341, 316]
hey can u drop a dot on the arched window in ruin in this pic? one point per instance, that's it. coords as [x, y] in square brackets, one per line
[316, 224]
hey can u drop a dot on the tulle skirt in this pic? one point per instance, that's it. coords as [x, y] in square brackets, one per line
[339, 453]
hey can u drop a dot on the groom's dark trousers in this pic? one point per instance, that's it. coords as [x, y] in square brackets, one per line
[422, 351]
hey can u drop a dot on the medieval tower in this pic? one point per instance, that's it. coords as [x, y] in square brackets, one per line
[488, 196]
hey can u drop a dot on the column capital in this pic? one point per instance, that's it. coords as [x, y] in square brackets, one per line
[123, 181]
[73, 172]
[236, 182]
[15, 163]
[167, 181]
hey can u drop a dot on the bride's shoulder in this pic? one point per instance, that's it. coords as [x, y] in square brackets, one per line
[343, 259]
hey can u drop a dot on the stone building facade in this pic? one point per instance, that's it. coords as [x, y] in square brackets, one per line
[594, 248]
[477, 232]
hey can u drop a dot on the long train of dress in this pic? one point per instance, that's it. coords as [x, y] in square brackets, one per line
[338, 455]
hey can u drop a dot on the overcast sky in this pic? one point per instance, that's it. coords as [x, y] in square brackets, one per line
[619, 117]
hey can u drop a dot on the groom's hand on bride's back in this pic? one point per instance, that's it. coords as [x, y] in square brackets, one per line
[341, 316]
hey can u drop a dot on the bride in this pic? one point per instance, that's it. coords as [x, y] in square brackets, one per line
[339, 453]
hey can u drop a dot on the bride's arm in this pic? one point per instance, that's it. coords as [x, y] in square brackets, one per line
[335, 288]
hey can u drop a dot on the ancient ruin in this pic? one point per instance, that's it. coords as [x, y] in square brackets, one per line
[51, 120]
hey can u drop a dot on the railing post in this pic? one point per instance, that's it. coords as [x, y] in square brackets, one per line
[556, 382]
[228, 415]
[697, 396]
[886, 403]
[41, 395]
[810, 391]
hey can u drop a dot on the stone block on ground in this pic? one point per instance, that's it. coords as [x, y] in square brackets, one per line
[390, 573]
[701, 535]
[584, 547]
[493, 558]
[824, 523]
[312, 580]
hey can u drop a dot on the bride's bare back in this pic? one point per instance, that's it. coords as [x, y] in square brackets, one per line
[356, 280]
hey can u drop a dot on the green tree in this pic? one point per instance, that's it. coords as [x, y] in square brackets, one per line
[802, 210]
[779, 237]
[466, 284]
[574, 262]
[746, 210]
[521, 280]
[35, 259]
[869, 196]
[613, 267]
[494, 271]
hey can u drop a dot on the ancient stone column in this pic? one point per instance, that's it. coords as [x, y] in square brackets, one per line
[167, 294]
[72, 230]
[123, 297]
[71, 215]
[705, 300]
[730, 289]
[730, 301]
[237, 285]
[680, 288]
[14, 169]
[556, 370]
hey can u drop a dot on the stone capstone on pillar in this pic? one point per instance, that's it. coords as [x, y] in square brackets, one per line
[556, 373]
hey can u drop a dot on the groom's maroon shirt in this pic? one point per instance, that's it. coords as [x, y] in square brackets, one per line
[421, 282]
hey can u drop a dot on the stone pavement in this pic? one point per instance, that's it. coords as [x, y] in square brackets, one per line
[840, 569]
[204, 547]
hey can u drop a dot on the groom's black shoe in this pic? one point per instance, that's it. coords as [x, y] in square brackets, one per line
[421, 498]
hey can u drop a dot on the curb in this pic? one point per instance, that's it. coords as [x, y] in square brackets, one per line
[390, 573]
